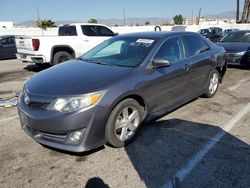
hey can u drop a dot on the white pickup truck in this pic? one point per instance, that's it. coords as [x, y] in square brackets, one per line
[73, 40]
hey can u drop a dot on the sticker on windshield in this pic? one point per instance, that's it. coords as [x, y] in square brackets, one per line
[145, 41]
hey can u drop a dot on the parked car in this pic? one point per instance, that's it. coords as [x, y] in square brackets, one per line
[237, 45]
[105, 95]
[212, 33]
[226, 31]
[73, 40]
[7, 47]
[216, 28]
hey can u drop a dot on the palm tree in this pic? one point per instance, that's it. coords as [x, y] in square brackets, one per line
[44, 24]
[92, 20]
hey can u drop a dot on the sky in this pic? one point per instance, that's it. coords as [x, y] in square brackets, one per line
[82, 10]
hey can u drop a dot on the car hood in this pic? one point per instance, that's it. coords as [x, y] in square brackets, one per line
[74, 77]
[234, 47]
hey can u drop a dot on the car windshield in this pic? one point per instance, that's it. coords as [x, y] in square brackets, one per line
[236, 37]
[120, 51]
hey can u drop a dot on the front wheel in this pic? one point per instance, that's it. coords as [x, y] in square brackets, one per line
[213, 84]
[123, 123]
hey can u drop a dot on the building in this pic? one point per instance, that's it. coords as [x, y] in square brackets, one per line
[7, 25]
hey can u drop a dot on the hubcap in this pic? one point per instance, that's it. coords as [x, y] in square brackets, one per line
[126, 123]
[214, 82]
[63, 58]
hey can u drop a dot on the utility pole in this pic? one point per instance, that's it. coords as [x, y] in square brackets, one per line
[124, 18]
[38, 18]
[38, 15]
[199, 17]
[192, 18]
[237, 11]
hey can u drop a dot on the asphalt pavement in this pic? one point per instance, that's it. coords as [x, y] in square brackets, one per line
[203, 144]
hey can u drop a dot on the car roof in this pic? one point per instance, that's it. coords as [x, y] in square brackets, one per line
[80, 24]
[243, 31]
[156, 34]
[6, 36]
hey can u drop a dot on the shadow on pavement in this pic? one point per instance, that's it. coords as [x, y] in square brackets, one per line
[243, 67]
[35, 68]
[96, 182]
[162, 148]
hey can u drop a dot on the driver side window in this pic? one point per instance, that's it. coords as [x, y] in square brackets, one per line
[171, 50]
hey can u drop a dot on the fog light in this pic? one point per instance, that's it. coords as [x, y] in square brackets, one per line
[74, 137]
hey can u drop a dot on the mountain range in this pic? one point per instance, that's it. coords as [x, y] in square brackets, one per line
[137, 21]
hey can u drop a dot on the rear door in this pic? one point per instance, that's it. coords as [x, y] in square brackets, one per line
[95, 34]
[199, 54]
[169, 86]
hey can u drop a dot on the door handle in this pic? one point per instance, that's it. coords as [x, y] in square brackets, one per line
[186, 67]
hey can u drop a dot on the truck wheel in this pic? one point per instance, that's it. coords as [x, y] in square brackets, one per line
[61, 56]
[123, 123]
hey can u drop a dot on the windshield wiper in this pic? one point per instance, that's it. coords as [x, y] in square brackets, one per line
[95, 61]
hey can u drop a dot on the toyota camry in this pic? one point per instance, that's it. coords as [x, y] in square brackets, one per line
[105, 95]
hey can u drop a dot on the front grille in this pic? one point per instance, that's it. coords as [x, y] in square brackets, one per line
[38, 105]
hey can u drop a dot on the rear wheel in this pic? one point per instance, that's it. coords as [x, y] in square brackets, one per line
[123, 123]
[213, 84]
[61, 56]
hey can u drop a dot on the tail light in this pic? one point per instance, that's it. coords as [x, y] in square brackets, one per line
[36, 44]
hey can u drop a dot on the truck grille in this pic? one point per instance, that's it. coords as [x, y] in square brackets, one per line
[38, 105]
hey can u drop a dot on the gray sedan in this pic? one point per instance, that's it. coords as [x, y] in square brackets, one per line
[105, 95]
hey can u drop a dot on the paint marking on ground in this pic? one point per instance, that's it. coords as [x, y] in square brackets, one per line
[183, 172]
[7, 119]
[236, 86]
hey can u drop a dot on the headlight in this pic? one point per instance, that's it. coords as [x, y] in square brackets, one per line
[240, 53]
[75, 103]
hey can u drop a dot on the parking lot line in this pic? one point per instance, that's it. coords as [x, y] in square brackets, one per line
[183, 172]
[7, 119]
[236, 86]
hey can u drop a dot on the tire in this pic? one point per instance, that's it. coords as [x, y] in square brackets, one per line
[61, 56]
[157, 28]
[120, 132]
[212, 84]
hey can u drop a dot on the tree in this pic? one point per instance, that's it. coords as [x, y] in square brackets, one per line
[147, 23]
[178, 19]
[44, 24]
[92, 20]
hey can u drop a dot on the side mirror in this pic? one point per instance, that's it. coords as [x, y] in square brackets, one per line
[158, 63]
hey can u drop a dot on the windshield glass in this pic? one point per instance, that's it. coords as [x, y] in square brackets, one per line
[120, 51]
[236, 37]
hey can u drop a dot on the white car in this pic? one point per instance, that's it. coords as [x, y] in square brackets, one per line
[73, 40]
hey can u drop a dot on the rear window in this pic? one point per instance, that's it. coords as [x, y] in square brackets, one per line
[67, 31]
[94, 30]
[237, 37]
[195, 45]
[6, 41]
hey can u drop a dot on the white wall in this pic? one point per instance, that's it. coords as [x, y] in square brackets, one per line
[6, 25]
[121, 30]
[28, 31]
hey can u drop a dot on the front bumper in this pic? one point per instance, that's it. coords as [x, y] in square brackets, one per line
[53, 128]
[234, 59]
[31, 58]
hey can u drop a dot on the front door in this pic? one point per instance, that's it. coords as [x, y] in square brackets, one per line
[169, 86]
